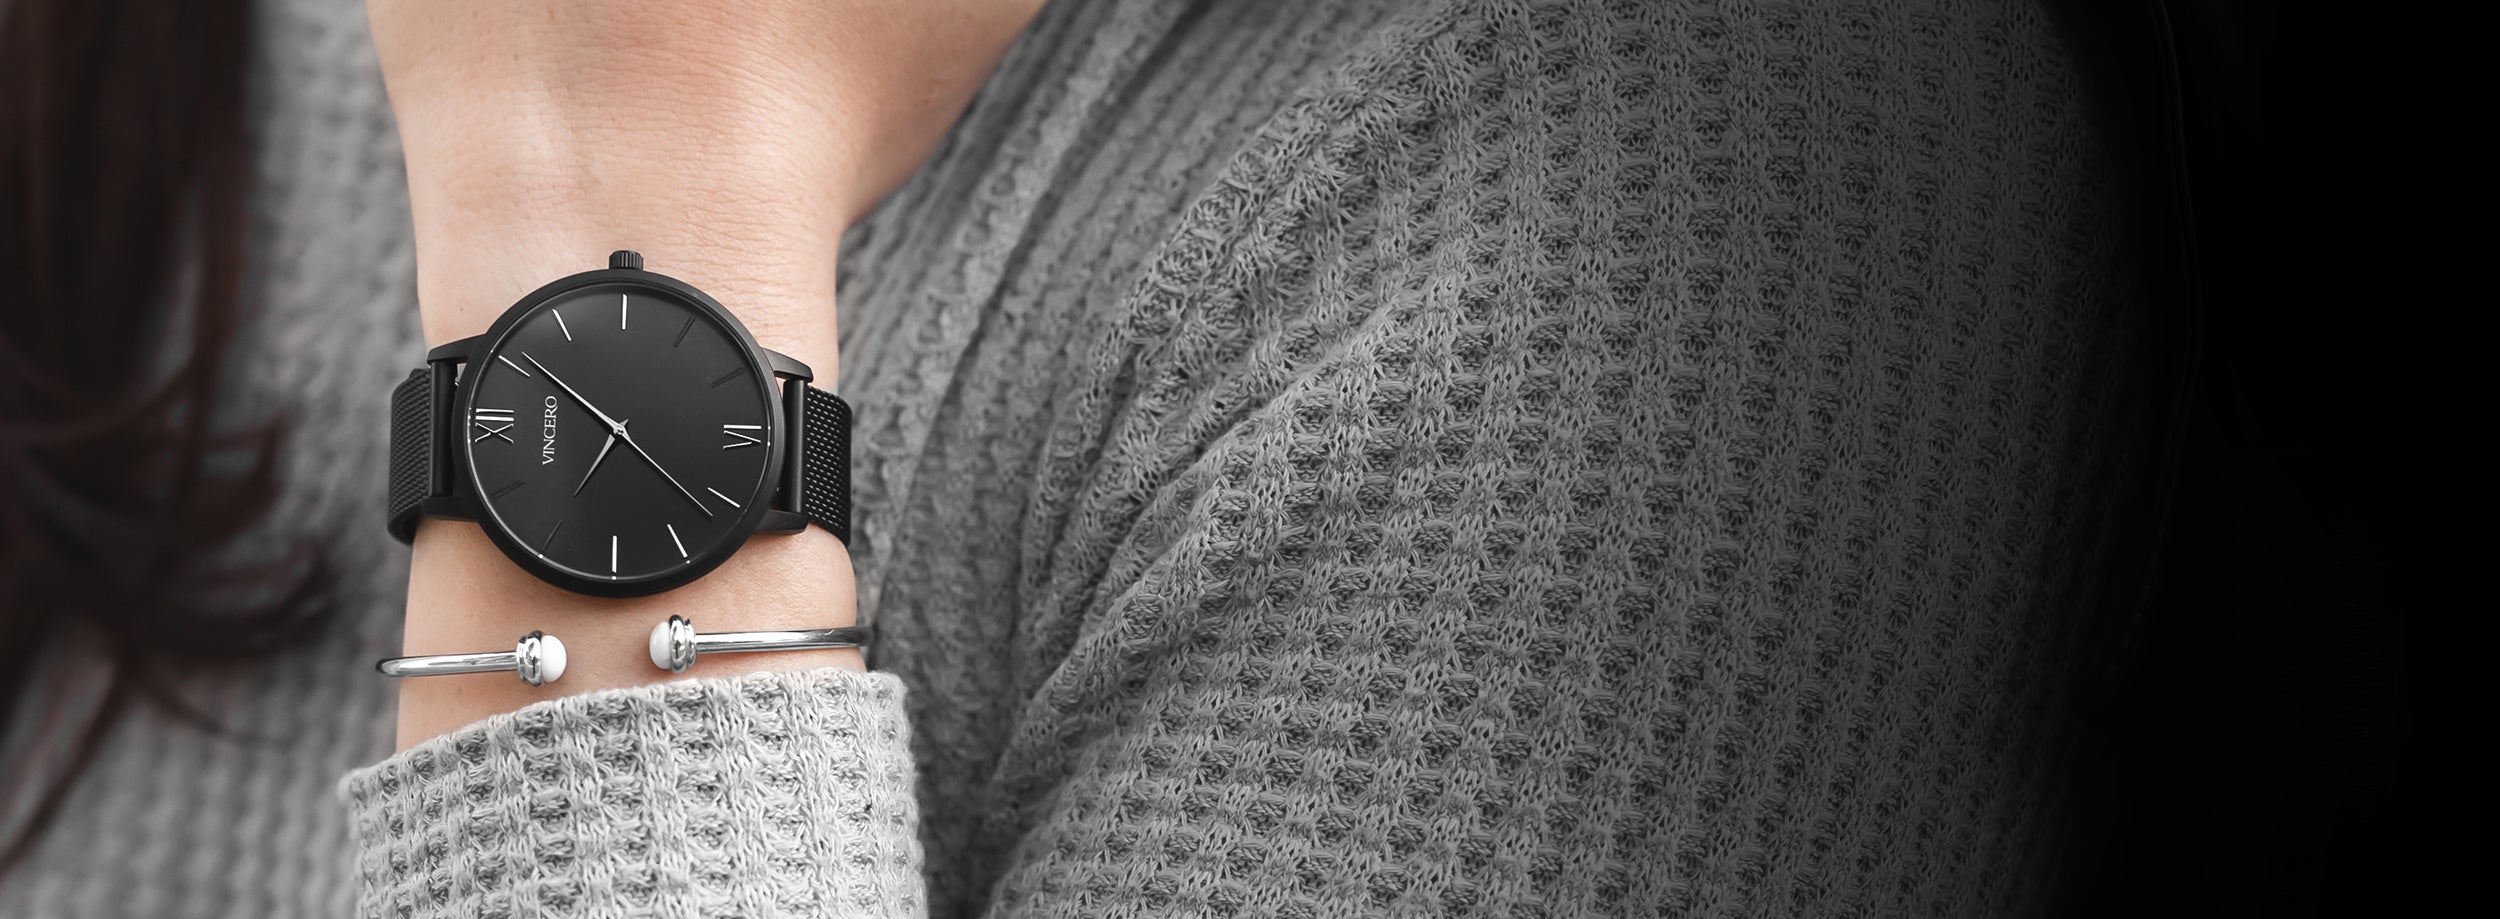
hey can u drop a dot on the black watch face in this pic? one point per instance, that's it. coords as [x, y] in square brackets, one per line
[619, 434]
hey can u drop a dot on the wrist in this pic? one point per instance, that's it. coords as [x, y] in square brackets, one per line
[463, 595]
[731, 143]
[762, 237]
[486, 238]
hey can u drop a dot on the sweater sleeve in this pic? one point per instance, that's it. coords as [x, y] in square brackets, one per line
[772, 794]
[1576, 459]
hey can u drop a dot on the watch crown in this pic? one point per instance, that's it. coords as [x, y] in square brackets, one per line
[625, 258]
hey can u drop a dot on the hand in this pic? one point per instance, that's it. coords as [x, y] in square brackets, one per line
[616, 432]
[604, 447]
[655, 464]
[732, 141]
[867, 87]
[751, 130]
[615, 429]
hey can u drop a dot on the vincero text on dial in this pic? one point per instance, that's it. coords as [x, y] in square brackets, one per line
[652, 432]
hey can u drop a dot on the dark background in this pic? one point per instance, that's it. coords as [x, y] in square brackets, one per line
[2263, 742]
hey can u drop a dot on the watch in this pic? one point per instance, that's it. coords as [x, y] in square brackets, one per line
[618, 433]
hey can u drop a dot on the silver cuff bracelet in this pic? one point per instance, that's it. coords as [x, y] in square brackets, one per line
[675, 643]
[538, 659]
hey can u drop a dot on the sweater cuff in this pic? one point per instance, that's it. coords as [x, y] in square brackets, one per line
[772, 794]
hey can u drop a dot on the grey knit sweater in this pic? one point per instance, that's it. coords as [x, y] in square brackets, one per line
[1467, 457]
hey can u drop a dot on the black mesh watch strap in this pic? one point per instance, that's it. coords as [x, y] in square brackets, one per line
[416, 450]
[419, 409]
[825, 470]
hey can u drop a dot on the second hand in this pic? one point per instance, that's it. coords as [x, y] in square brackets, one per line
[672, 480]
[616, 432]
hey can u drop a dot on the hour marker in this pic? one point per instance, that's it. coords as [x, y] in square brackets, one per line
[716, 493]
[568, 330]
[672, 537]
[624, 309]
[551, 533]
[508, 363]
[611, 553]
[726, 377]
[741, 438]
[682, 330]
[491, 422]
[500, 492]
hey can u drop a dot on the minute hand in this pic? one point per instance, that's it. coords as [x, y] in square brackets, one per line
[613, 427]
[617, 432]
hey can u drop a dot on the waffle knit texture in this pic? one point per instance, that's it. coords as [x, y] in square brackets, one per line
[762, 795]
[1446, 458]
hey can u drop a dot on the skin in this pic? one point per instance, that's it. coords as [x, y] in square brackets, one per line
[731, 142]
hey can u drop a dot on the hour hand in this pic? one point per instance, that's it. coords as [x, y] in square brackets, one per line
[604, 447]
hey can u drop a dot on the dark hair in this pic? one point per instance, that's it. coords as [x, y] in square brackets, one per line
[124, 167]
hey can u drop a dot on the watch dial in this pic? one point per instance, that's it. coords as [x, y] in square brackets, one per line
[619, 433]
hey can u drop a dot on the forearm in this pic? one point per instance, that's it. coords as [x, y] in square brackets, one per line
[731, 143]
